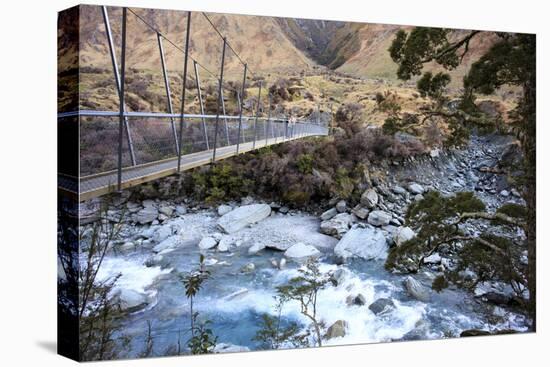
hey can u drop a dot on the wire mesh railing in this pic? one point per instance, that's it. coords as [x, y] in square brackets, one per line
[203, 109]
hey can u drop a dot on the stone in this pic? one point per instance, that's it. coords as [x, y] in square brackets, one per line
[369, 198]
[341, 206]
[301, 252]
[130, 300]
[402, 235]
[282, 263]
[169, 243]
[147, 215]
[248, 268]
[255, 248]
[162, 233]
[229, 348]
[166, 210]
[207, 243]
[181, 210]
[329, 214]
[224, 209]
[225, 243]
[434, 258]
[416, 289]
[360, 212]
[279, 246]
[381, 306]
[284, 210]
[337, 278]
[505, 193]
[399, 190]
[366, 243]
[434, 153]
[358, 300]
[379, 218]
[337, 226]
[337, 330]
[415, 188]
[418, 197]
[243, 216]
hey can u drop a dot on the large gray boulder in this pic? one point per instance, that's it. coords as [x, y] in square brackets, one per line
[329, 214]
[366, 243]
[147, 215]
[382, 305]
[301, 252]
[337, 330]
[379, 218]
[207, 243]
[162, 233]
[341, 206]
[173, 242]
[417, 290]
[402, 235]
[369, 198]
[337, 226]
[130, 300]
[241, 217]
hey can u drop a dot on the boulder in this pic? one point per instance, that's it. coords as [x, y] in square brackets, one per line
[337, 226]
[301, 252]
[399, 190]
[329, 214]
[170, 242]
[224, 209]
[239, 218]
[341, 206]
[248, 268]
[207, 243]
[432, 259]
[225, 243]
[360, 212]
[147, 215]
[338, 277]
[162, 233]
[337, 330]
[130, 300]
[166, 210]
[279, 246]
[369, 198]
[402, 235]
[379, 218]
[381, 306]
[255, 248]
[284, 210]
[417, 290]
[415, 188]
[358, 300]
[366, 243]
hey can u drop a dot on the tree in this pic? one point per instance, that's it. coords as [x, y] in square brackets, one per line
[304, 289]
[202, 338]
[97, 310]
[510, 61]
[440, 221]
[274, 333]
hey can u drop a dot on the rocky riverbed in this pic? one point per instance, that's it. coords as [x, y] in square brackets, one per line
[250, 247]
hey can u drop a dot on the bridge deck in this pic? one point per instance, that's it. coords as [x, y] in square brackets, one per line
[104, 183]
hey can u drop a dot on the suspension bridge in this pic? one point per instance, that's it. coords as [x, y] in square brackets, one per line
[121, 149]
